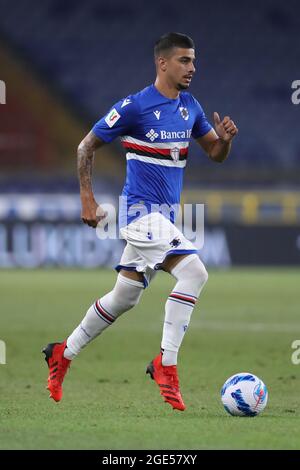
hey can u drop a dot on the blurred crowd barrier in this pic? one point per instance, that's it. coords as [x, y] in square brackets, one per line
[241, 228]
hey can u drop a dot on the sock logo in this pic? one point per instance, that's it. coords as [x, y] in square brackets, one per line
[185, 328]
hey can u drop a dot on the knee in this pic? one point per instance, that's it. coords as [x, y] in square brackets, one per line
[133, 300]
[195, 271]
[201, 273]
[127, 293]
[126, 301]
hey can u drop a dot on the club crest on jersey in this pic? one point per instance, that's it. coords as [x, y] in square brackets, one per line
[112, 117]
[184, 113]
[175, 152]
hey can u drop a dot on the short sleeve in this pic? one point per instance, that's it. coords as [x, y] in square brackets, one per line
[118, 121]
[201, 125]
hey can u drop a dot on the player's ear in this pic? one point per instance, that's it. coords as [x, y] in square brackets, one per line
[162, 63]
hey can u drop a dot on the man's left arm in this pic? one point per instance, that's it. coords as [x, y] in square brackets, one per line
[217, 142]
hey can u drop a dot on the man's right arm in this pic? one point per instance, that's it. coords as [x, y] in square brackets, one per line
[91, 212]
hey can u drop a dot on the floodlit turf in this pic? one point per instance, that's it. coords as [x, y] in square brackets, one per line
[246, 320]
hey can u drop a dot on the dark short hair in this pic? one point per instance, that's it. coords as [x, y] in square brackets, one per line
[170, 40]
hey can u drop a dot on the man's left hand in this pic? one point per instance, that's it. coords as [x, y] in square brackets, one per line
[226, 129]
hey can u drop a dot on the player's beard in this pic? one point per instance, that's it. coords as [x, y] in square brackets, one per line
[181, 87]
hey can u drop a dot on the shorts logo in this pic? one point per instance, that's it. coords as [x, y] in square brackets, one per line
[175, 242]
[152, 135]
[175, 152]
[112, 117]
[184, 113]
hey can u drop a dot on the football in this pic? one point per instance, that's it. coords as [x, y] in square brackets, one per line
[244, 394]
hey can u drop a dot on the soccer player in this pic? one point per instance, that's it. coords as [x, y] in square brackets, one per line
[155, 125]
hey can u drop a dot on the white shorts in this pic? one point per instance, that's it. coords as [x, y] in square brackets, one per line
[150, 239]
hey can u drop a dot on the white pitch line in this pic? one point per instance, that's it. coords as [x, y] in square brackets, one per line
[242, 327]
[247, 326]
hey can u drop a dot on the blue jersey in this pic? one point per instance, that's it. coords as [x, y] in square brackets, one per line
[155, 132]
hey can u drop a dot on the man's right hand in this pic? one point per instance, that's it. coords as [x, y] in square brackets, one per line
[92, 213]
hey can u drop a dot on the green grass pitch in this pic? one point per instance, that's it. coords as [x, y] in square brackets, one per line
[245, 320]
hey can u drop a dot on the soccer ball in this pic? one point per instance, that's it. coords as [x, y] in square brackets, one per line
[244, 394]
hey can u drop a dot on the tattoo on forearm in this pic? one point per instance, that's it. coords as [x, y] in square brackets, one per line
[85, 160]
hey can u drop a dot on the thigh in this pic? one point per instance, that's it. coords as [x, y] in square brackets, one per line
[171, 261]
[133, 266]
[136, 276]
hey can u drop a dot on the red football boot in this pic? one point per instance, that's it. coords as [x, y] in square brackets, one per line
[167, 380]
[58, 366]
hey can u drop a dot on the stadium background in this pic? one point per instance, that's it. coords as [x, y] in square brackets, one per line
[64, 64]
